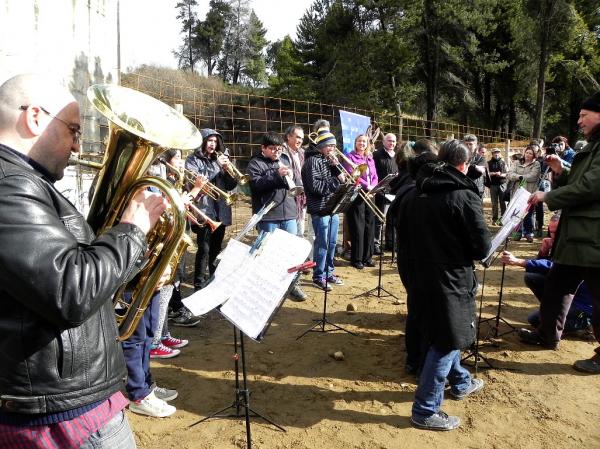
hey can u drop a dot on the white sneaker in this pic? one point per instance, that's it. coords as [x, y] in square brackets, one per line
[165, 394]
[152, 406]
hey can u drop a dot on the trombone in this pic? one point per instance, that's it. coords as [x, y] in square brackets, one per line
[233, 171]
[356, 169]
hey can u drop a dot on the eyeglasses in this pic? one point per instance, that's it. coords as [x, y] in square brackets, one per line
[73, 128]
[273, 147]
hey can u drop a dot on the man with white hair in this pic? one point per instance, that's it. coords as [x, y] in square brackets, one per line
[61, 364]
[385, 164]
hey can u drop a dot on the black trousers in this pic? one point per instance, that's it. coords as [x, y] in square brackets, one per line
[561, 283]
[209, 247]
[362, 232]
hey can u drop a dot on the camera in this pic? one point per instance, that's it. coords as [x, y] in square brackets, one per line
[553, 148]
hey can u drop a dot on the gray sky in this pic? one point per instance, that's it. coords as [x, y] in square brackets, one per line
[150, 30]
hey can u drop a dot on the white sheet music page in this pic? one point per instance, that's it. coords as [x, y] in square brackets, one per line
[263, 282]
[232, 259]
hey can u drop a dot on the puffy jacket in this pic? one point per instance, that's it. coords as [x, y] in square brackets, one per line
[529, 172]
[578, 195]
[58, 334]
[267, 185]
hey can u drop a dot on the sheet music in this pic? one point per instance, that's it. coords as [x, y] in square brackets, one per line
[517, 206]
[263, 282]
[500, 238]
[232, 259]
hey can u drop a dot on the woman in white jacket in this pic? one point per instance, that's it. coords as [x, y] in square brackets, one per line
[526, 173]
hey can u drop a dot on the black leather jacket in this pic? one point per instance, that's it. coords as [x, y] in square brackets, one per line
[58, 335]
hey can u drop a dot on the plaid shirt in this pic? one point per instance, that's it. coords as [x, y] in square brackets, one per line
[62, 435]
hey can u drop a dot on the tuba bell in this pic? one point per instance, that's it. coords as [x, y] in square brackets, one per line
[140, 128]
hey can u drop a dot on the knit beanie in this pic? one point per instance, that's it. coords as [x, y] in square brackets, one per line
[324, 137]
[592, 103]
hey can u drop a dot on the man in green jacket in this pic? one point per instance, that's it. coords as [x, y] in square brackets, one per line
[577, 245]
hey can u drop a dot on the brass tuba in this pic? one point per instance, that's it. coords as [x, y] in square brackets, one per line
[140, 128]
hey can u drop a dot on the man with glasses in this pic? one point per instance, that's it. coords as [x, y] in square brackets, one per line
[385, 164]
[267, 172]
[61, 365]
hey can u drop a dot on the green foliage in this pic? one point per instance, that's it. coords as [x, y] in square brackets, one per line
[511, 65]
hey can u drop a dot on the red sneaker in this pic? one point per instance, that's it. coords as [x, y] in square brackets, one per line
[163, 352]
[173, 342]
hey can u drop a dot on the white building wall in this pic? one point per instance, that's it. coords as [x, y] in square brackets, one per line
[74, 41]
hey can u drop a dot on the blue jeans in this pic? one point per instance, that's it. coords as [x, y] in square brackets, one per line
[527, 225]
[115, 434]
[136, 350]
[438, 366]
[290, 226]
[323, 256]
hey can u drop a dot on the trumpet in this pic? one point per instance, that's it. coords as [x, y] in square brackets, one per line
[293, 189]
[206, 220]
[208, 188]
[233, 171]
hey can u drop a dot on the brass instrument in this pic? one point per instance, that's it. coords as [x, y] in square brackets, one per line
[356, 170]
[233, 171]
[211, 190]
[206, 220]
[368, 199]
[293, 189]
[140, 128]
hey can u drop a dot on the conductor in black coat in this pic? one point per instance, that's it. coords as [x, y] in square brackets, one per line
[448, 211]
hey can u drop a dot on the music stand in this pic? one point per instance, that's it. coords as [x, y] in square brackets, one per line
[474, 349]
[338, 203]
[376, 291]
[242, 395]
[498, 318]
[252, 314]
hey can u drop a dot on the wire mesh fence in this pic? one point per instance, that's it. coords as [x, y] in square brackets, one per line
[242, 118]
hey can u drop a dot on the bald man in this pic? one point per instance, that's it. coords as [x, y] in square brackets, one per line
[61, 366]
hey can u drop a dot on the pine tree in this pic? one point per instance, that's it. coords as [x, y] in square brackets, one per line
[187, 55]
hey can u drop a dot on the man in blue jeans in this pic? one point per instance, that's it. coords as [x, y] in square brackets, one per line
[446, 208]
[321, 176]
[268, 171]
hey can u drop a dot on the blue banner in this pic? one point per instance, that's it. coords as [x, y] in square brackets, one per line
[352, 125]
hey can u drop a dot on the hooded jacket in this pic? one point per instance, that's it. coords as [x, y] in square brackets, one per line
[199, 162]
[442, 231]
[58, 334]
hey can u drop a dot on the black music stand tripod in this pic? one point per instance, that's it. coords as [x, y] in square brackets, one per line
[241, 402]
[377, 290]
[498, 318]
[321, 323]
[474, 350]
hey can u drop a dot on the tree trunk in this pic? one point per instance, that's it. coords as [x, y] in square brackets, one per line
[546, 18]
[190, 46]
[432, 61]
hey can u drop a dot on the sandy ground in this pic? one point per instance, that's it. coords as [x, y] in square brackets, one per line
[532, 398]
